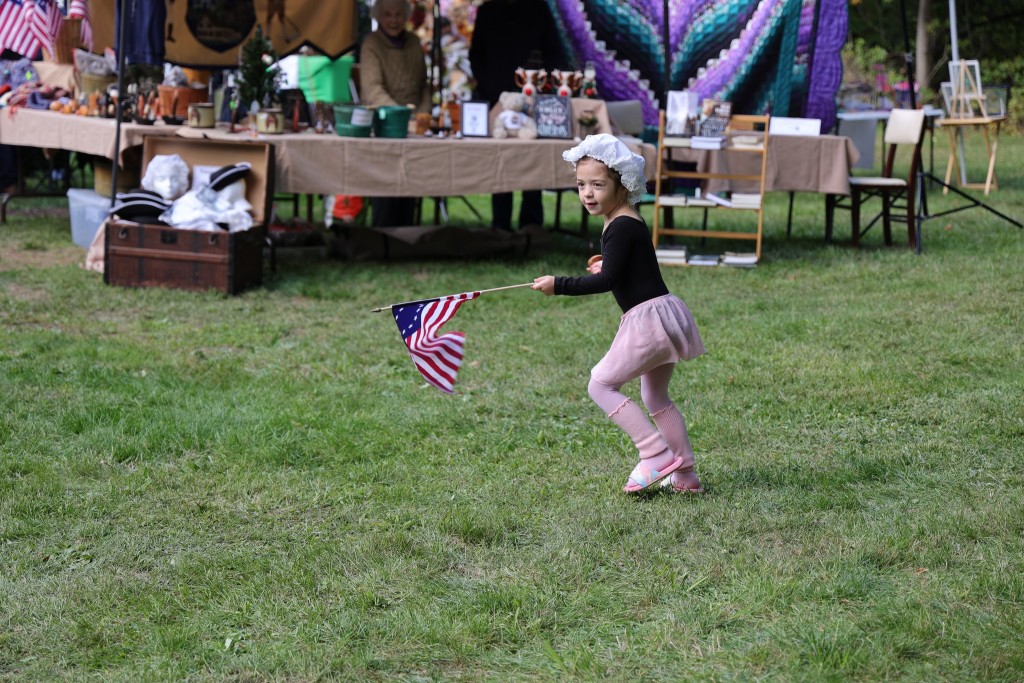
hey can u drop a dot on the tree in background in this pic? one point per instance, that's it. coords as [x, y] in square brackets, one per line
[988, 30]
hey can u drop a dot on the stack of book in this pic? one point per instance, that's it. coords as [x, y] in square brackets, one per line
[683, 141]
[747, 142]
[746, 200]
[719, 200]
[684, 200]
[671, 255]
[707, 141]
[703, 260]
[739, 260]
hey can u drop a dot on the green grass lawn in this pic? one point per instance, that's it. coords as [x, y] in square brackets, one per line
[262, 488]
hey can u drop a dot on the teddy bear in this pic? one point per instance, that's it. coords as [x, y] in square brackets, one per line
[513, 121]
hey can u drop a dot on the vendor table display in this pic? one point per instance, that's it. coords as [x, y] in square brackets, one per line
[86, 134]
[796, 163]
[416, 166]
[311, 163]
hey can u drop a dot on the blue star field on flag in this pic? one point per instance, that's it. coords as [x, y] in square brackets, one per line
[437, 357]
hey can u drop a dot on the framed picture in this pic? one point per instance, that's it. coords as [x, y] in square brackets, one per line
[965, 75]
[553, 115]
[473, 119]
[946, 87]
[682, 112]
[714, 117]
[996, 97]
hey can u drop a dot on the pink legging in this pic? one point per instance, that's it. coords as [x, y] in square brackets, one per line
[671, 426]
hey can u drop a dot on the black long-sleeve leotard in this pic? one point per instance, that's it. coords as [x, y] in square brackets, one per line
[629, 268]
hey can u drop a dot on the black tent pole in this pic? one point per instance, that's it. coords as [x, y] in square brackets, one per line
[437, 56]
[810, 58]
[665, 37]
[921, 198]
[118, 114]
[908, 55]
[118, 110]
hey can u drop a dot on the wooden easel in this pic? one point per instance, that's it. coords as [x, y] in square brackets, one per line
[965, 76]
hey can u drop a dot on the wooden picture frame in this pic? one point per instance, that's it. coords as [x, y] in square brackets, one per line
[474, 119]
[553, 114]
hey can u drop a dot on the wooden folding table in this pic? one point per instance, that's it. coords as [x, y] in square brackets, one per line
[955, 129]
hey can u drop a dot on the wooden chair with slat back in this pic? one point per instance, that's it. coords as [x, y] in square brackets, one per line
[903, 135]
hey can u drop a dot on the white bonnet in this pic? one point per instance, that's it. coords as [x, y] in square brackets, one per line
[611, 151]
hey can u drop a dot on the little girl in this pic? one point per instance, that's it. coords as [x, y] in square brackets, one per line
[656, 329]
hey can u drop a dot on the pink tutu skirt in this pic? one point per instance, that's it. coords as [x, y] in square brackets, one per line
[653, 333]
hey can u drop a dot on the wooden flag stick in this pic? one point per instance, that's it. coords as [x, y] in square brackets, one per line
[482, 291]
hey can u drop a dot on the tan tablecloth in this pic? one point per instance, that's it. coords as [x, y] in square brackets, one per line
[795, 164]
[417, 166]
[62, 75]
[308, 163]
[85, 134]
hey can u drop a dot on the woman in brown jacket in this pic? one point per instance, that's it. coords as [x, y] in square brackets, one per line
[393, 72]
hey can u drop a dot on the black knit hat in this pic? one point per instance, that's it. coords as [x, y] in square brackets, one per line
[225, 175]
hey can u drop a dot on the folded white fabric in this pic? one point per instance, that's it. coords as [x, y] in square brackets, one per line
[220, 205]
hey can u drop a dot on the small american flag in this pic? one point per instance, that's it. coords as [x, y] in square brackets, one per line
[437, 357]
[28, 25]
[79, 9]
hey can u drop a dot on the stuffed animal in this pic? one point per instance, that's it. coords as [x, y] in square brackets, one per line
[513, 121]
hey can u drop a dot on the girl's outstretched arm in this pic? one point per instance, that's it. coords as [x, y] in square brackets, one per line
[545, 284]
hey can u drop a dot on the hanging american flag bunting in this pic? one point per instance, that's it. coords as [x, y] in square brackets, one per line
[438, 357]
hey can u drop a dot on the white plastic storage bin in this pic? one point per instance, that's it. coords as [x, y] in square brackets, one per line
[88, 208]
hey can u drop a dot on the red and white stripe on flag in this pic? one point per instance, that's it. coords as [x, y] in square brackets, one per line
[438, 357]
[28, 25]
[15, 32]
[79, 9]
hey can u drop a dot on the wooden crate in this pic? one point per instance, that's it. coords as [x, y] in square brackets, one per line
[140, 255]
[67, 39]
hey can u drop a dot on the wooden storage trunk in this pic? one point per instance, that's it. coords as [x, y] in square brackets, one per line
[141, 255]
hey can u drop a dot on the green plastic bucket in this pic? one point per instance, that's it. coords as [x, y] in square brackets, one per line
[347, 130]
[353, 121]
[391, 122]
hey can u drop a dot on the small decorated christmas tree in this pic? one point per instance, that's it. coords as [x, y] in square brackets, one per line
[260, 75]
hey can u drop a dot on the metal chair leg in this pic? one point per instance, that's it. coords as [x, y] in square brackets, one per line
[886, 218]
[855, 216]
[830, 212]
[789, 218]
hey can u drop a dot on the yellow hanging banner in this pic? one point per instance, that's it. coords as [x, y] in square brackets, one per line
[210, 33]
